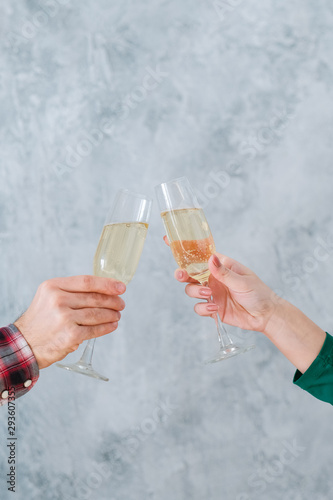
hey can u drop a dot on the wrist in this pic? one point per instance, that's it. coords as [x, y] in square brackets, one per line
[277, 319]
[19, 324]
[294, 334]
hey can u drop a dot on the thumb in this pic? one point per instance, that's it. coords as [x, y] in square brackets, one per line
[230, 279]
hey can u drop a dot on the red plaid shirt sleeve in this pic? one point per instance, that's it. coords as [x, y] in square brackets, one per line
[18, 366]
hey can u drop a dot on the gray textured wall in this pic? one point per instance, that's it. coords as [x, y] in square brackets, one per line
[242, 104]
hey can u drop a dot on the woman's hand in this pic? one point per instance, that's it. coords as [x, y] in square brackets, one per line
[243, 300]
[239, 296]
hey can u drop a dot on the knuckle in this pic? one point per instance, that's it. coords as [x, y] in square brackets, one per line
[103, 300]
[88, 332]
[223, 270]
[200, 309]
[192, 290]
[112, 316]
[91, 299]
[63, 314]
[106, 328]
[73, 335]
[118, 304]
[56, 301]
[114, 326]
[90, 314]
[45, 286]
[87, 281]
[58, 307]
[111, 285]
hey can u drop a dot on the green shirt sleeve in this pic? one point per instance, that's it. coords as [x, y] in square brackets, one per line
[318, 378]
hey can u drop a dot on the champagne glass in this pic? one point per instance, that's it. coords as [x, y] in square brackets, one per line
[117, 255]
[192, 244]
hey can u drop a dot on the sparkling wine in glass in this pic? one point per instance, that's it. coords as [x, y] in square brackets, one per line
[117, 255]
[192, 244]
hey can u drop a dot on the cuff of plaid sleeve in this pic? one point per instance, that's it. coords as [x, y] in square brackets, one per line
[21, 372]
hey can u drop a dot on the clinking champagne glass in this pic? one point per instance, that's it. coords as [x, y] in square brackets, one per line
[117, 255]
[192, 244]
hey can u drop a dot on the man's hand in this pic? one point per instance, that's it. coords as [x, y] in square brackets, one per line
[67, 311]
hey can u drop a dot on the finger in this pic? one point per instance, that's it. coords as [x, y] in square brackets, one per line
[166, 240]
[198, 291]
[232, 280]
[205, 308]
[182, 276]
[87, 283]
[80, 300]
[233, 265]
[90, 332]
[95, 316]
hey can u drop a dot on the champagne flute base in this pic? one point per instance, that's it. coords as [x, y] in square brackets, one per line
[228, 352]
[84, 369]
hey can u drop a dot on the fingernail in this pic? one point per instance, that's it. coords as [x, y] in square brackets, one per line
[216, 261]
[206, 292]
[180, 275]
[120, 287]
[212, 307]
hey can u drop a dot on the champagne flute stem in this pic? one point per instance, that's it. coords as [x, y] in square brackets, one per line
[87, 353]
[222, 333]
[224, 339]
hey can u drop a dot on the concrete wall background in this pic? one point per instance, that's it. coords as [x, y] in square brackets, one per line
[243, 94]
